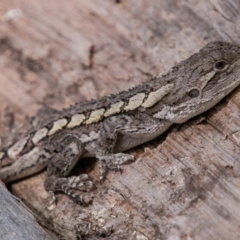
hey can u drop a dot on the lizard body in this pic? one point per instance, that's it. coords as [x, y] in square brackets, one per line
[107, 127]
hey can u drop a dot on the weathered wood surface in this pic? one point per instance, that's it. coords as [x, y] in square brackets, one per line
[184, 185]
[17, 223]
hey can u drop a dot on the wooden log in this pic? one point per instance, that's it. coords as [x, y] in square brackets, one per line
[184, 185]
[17, 222]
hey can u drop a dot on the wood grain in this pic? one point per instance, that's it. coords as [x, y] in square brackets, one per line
[185, 184]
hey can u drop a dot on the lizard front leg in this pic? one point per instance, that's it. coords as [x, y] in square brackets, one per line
[120, 133]
[65, 154]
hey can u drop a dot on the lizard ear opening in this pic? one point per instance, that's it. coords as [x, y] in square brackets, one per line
[221, 66]
[193, 93]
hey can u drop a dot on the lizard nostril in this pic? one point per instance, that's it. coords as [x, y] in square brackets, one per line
[193, 93]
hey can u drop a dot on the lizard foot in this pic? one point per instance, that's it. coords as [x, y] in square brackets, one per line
[112, 162]
[71, 187]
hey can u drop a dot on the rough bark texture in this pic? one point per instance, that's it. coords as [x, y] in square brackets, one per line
[185, 184]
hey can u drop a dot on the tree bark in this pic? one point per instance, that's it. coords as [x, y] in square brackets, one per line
[183, 185]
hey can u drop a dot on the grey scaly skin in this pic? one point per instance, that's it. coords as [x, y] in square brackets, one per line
[107, 127]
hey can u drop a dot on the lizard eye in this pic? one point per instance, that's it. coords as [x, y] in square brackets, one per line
[193, 93]
[220, 66]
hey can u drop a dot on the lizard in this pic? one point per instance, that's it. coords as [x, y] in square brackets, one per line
[107, 127]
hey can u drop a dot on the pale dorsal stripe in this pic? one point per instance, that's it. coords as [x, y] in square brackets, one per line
[39, 135]
[17, 148]
[95, 116]
[135, 101]
[76, 120]
[57, 126]
[114, 109]
[156, 96]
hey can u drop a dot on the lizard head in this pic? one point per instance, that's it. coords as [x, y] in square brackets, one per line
[204, 79]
